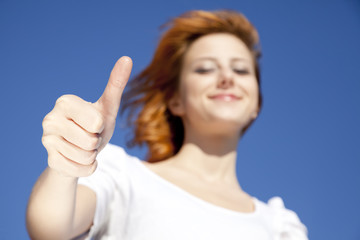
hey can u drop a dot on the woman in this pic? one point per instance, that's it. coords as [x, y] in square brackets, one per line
[198, 96]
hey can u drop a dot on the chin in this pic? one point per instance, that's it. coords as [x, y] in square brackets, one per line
[224, 121]
[225, 126]
[230, 117]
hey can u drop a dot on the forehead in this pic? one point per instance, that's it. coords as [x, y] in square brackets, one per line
[217, 45]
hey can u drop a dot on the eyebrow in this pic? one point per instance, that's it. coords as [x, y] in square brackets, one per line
[215, 60]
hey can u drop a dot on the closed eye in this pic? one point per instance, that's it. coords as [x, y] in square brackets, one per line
[204, 70]
[241, 71]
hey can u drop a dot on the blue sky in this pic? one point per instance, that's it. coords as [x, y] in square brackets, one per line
[304, 146]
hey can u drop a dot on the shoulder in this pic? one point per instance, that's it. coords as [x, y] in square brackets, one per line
[284, 222]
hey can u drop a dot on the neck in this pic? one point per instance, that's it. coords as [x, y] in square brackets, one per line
[212, 158]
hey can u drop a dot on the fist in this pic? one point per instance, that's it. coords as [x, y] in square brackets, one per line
[75, 131]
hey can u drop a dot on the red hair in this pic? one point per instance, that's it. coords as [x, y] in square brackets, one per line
[151, 90]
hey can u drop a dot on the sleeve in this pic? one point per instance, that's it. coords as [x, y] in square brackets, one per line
[110, 182]
[286, 223]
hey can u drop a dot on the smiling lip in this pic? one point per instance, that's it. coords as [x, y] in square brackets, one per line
[225, 97]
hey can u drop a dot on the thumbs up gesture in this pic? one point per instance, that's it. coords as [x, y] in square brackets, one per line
[75, 131]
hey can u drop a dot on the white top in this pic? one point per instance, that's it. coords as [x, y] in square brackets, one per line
[134, 203]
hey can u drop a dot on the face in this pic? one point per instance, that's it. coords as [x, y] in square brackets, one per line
[218, 86]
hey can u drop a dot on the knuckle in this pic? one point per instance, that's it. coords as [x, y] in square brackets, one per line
[47, 122]
[46, 119]
[44, 139]
[64, 101]
[47, 141]
[64, 98]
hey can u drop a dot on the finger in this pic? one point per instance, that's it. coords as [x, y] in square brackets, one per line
[109, 102]
[73, 133]
[81, 112]
[71, 151]
[67, 167]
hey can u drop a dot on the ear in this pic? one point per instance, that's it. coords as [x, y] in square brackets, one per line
[175, 106]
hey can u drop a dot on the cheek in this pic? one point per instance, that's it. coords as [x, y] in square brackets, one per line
[251, 89]
[251, 86]
[193, 88]
[254, 93]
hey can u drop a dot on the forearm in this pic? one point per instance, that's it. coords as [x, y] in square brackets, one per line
[51, 208]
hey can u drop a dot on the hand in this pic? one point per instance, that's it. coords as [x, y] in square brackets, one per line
[75, 131]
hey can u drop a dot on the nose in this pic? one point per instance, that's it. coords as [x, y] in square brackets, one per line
[226, 79]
